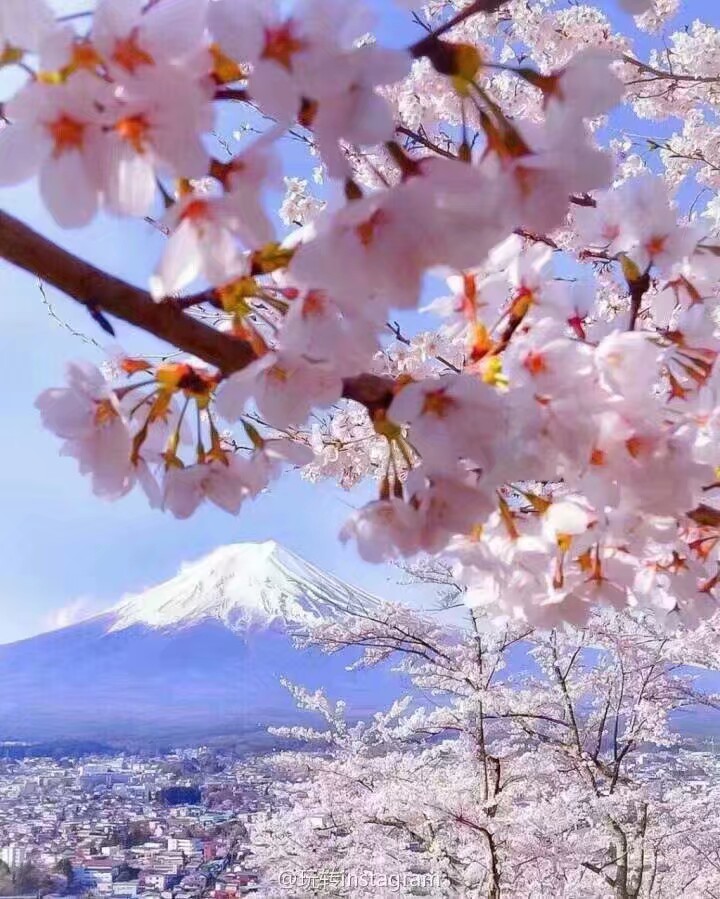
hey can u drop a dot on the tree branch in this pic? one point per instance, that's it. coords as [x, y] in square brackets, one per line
[234, 94]
[600, 872]
[427, 46]
[97, 290]
[419, 138]
[660, 75]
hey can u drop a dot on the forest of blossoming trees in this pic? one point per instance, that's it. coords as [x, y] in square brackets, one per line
[566, 776]
[549, 431]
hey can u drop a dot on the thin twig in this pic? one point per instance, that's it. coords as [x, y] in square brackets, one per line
[63, 324]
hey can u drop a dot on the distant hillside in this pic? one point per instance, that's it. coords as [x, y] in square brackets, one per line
[200, 655]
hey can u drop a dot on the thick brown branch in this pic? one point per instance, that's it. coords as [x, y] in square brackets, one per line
[97, 290]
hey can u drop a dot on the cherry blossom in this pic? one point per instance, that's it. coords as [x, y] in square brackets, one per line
[145, 138]
[87, 416]
[382, 529]
[318, 328]
[55, 133]
[285, 388]
[639, 220]
[202, 242]
[305, 65]
[24, 24]
[246, 178]
[629, 363]
[224, 482]
[451, 418]
[132, 36]
[350, 109]
[364, 247]
[269, 458]
[583, 88]
[571, 775]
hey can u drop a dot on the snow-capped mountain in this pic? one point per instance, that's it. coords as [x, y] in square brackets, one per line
[199, 655]
[244, 586]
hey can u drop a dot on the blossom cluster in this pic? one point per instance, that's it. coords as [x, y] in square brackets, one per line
[556, 436]
[567, 777]
[121, 436]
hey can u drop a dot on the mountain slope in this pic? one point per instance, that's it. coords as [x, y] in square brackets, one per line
[199, 655]
[245, 586]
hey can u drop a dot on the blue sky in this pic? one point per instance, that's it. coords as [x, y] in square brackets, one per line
[61, 547]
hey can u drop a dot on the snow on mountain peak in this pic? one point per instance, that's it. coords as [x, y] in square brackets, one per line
[244, 586]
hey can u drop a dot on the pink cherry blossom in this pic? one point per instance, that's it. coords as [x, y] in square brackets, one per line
[308, 57]
[383, 529]
[349, 107]
[377, 249]
[284, 389]
[55, 133]
[449, 418]
[248, 176]
[87, 416]
[319, 329]
[144, 137]
[629, 363]
[25, 23]
[586, 86]
[132, 36]
[202, 242]
[551, 426]
[269, 459]
[225, 483]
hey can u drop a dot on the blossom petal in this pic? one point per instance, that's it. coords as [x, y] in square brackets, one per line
[66, 189]
[21, 152]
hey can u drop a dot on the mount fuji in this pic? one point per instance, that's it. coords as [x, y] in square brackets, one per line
[200, 655]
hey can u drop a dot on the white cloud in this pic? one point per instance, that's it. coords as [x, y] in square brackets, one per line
[72, 613]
